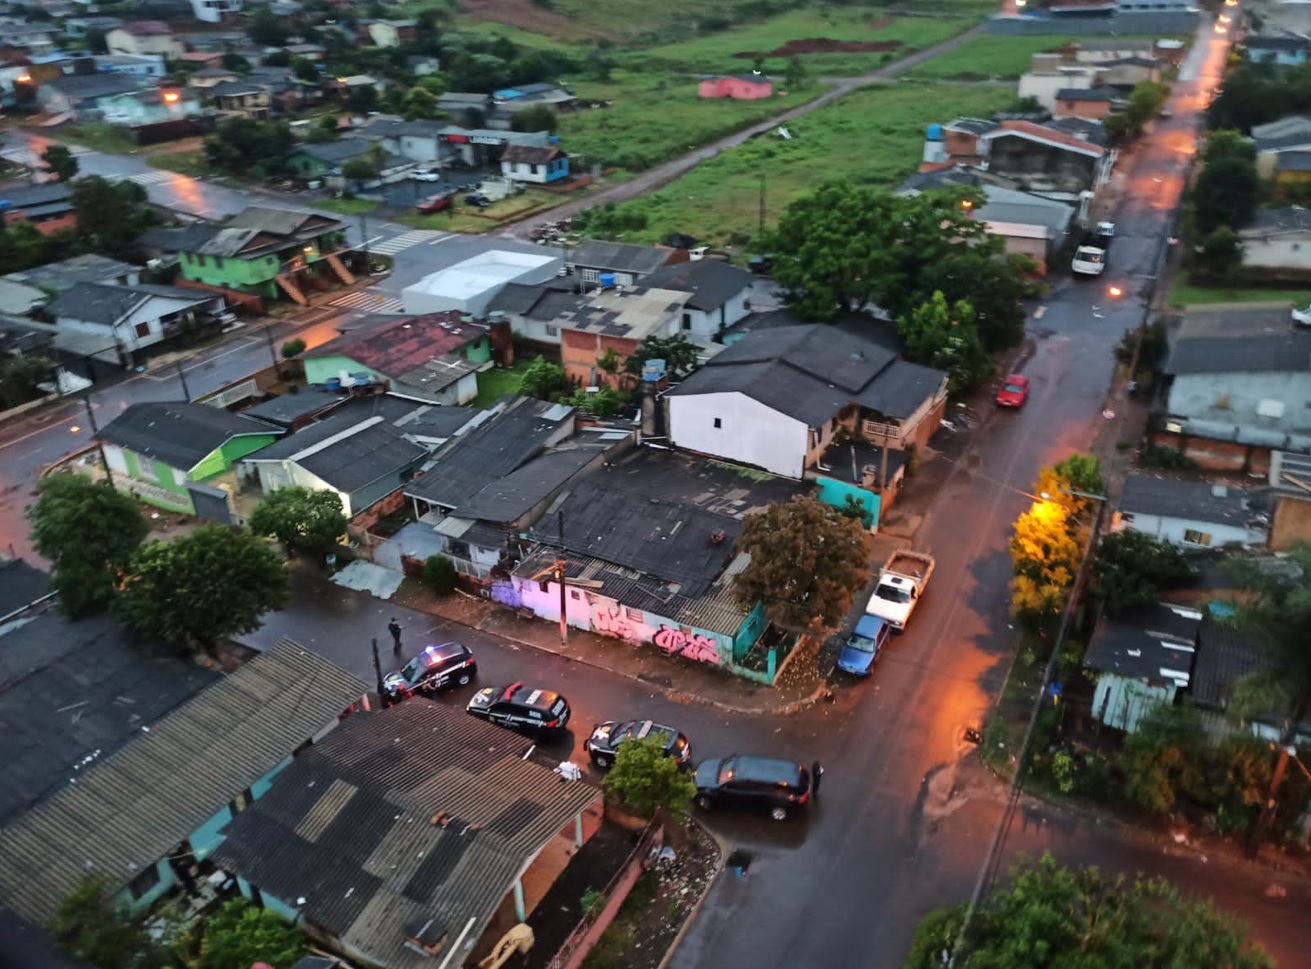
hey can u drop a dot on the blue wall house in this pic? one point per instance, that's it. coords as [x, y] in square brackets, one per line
[207, 761]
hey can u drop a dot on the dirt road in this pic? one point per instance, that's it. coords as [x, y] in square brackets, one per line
[664, 174]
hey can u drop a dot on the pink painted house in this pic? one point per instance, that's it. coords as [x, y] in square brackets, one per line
[744, 87]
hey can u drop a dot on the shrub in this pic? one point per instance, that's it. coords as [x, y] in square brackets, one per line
[293, 348]
[439, 575]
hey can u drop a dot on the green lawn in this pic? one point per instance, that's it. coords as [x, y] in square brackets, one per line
[100, 137]
[348, 206]
[988, 57]
[461, 218]
[517, 35]
[715, 53]
[1183, 293]
[874, 136]
[656, 117]
[495, 384]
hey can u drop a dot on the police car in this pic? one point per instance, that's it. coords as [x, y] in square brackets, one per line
[447, 664]
[521, 706]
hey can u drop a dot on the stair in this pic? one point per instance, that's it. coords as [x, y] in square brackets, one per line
[290, 288]
[339, 267]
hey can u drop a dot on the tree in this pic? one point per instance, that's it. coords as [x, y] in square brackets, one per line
[233, 61]
[323, 131]
[543, 379]
[305, 70]
[89, 532]
[293, 348]
[1049, 916]
[795, 74]
[992, 288]
[1145, 102]
[110, 215]
[1222, 252]
[807, 563]
[203, 588]
[361, 168]
[96, 40]
[267, 29]
[90, 924]
[241, 934]
[420, 104]
[362, 98]
[60, 162]
[945, 337]
[22, 246]
[1276, 616]
[610, 363]
[1226, 194]
[845, 247]
[679, 354]
[539, 117]
[1163, 758]
[645, 778]
[440, 575]
[300, 519]
[1132, 568]
[245, 145]
[20, 378]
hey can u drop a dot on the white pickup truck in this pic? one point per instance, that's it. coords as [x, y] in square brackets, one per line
[901, 584]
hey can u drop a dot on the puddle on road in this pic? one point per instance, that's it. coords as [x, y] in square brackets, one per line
[739, 861]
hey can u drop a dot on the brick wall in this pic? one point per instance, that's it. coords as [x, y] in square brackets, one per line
[1292, 524]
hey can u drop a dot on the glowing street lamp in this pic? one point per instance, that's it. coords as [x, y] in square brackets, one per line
[1115, 292]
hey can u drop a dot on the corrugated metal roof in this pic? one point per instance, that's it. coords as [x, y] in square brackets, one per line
[134, 807]
[348, 827]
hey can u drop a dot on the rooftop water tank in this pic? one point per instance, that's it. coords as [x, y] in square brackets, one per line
[935, 132]
[607, 280]
[653, 371]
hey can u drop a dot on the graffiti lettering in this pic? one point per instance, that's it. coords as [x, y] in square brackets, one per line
[608, 618]
[693, 646]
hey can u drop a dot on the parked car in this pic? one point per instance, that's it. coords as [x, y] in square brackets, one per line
[1302, 317]
[521, 706]
[761, 265]
[1014, 391]
[753, 783]
[446, 664]
[606, 737]
[864, 646]
[427, 175]
[434, 203]
[478, 199]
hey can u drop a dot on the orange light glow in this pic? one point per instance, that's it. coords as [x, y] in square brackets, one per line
[74, 429]
[171, 96]
[1116, 292]
[24, 78]
[966, 204]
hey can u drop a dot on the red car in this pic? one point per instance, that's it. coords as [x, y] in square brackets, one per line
[434, 203]
[1014, 391]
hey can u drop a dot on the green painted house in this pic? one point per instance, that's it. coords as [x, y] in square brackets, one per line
[165, 452]
[273, 253]
[434, 357]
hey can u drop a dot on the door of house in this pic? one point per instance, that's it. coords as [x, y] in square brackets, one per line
[211, 503]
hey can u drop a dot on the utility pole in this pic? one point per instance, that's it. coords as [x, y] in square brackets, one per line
[559, 575]
[364, 242]
[95, 431]
[762, 205]
[377, 671]
[273, 351]
[182, 376]
[1271, 802]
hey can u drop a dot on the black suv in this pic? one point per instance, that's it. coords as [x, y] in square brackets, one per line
[604, 743]
[521, 706]
[757, 783]
[438, 666]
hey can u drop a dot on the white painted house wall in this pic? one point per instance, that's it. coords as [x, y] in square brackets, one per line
[748, 431]
[1189, 532]
[125, 332]
[700, 324]
[1283, 251]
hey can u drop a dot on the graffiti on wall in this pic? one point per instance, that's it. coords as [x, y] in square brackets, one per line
[507, 594]
[611, 619]
[693, 646]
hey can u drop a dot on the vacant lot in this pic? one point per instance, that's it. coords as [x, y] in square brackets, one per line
[656, 117]
[874, 136]
[983, 57]
[1184, 293]
[831, 42]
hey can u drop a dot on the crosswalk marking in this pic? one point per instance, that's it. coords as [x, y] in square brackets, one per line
[144, 178]
[403, 241]
[371, 300]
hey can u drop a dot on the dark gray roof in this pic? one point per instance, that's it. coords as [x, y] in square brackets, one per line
[21, 585]
[1223, 656]
[662, 537]
[1094, 132]
[233, 89]
[185, 239]
[180, 435]
[92, 86]
[617, 257]
[1202, 501]
[507, 499]
[516, 299]
[131, 808]
[974, 126]
[1293, 161]
[1155, 644]
[286, 409]
[334, 152]
[1288, 218]
[1282, 142]
[27, 196]
[72, 694]
[1135, 61]
[490, 451]
[107, 304]
[358, 459]
[67, 273]
[27, 946]
[1277, 42]
[1238, 340]
[348, 827]
[712, 283]
[813, 371]
[1087, 94]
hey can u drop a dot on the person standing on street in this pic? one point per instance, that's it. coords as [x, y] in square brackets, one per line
[816, 772]
[394, 628]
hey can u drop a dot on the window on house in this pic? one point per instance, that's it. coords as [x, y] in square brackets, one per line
[241, 801]
[591, 276]
[687, 321]
[146, 469]
[543, 585]
[146, 880]
[200, 259]
[1194, 537]
[458, 549]
[532, 169]
[142, 329]
[635, 615]
[552, 330]
[718, 423]
[575, 595]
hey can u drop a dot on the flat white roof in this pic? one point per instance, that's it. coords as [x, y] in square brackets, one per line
[481, 273]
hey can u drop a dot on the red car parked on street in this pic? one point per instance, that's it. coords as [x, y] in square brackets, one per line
[1014, 391]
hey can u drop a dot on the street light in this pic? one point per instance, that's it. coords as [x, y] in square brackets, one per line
[1115, 292]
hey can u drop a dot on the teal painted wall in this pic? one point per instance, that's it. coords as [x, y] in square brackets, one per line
[235, 273]
[479, 351]
[320, 369]
[207, 837]
[834, 492]
[752, 627]
[261, 786]
[166, 881]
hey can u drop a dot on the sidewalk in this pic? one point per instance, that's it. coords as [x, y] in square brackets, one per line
[799, 682]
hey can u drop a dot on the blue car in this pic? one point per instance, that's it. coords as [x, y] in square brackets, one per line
[864, 645]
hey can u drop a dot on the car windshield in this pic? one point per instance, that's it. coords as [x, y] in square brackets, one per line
[1014, 388]
[890, 593]
[557, 707]
[413, 669]
[861, 643]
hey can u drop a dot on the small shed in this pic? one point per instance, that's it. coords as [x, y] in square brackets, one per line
[1141, 659]
[742, 87]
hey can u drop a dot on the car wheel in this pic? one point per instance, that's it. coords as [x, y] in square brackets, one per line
[464, 678]
[602, 761]
[779, 813]
[704, 803]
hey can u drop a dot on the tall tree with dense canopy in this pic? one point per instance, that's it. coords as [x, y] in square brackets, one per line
[1132, 568]
[203, 588]
[1050, 917]
[92, 925]
[245, 145]
[241, 934]
[59, 161]
[645, 778]
[300, 519]
[942, 336]
[678, 352]
[89, 532]
[110, 215]
[992, 288]
[807, 563]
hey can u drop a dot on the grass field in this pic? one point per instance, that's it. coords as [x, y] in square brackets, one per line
[495, 384]
[460, 218]
[1183, 293]
[874, 136]
[714, 53]
[347, 206]
[516, 35]
[100, 137]
[656, 117]
[1003, 57]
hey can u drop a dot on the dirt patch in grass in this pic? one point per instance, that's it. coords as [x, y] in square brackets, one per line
[878, 23]
[822, 45]
[526, 16]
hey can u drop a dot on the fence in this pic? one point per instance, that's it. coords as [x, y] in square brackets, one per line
[589, 930]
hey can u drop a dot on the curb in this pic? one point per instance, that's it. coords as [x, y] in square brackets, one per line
[722, 845]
